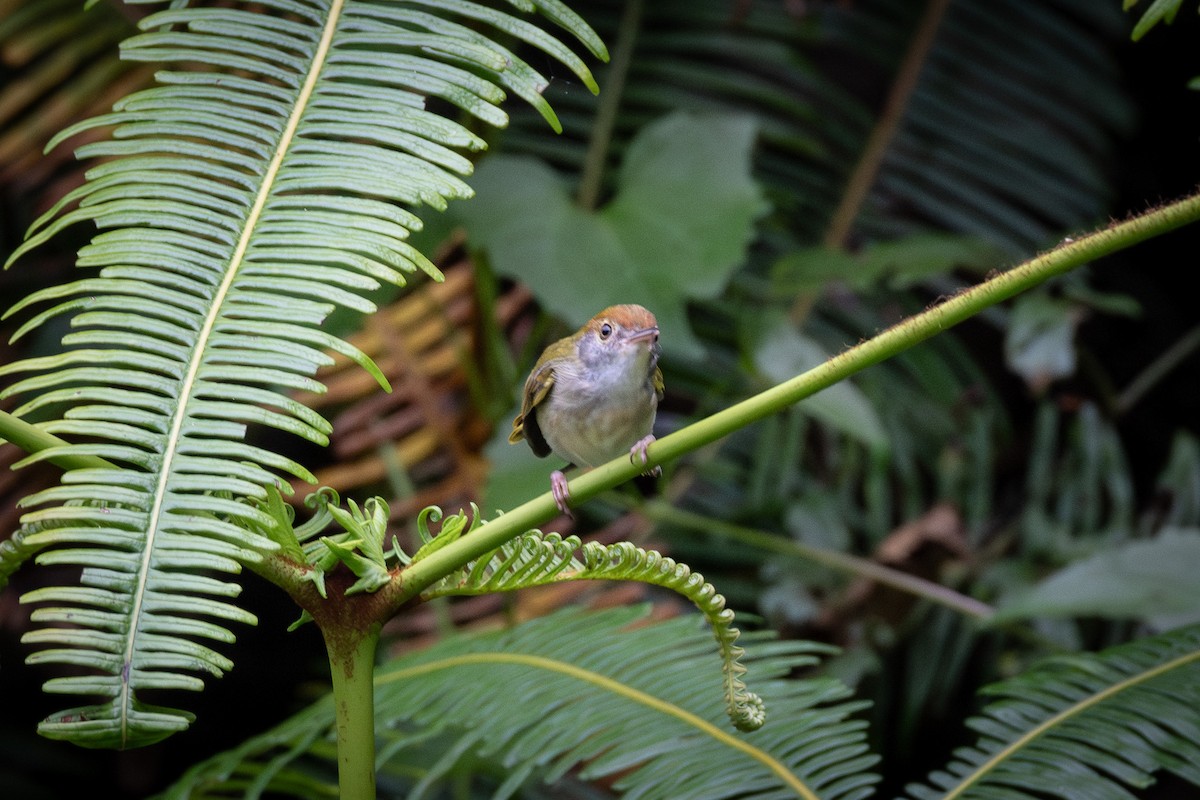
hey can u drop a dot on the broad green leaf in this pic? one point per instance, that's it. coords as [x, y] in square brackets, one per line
[1153, 578]
[781, 352]
[681, 219]
[1158, 11]
[1040, 341]
[901, 262]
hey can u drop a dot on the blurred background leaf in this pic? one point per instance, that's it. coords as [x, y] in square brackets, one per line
[678, 224]
[1153, 579]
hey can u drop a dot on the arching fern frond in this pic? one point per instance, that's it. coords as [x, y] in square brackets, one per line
[620, 697]
[531, 559]
[240, 204]
[1085, 726]
[536, 559]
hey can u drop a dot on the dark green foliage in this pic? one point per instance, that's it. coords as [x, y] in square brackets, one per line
[634, 702]
[1089, 726]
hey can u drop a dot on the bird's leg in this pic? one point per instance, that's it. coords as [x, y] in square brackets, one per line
[558, 488]
[639, 451]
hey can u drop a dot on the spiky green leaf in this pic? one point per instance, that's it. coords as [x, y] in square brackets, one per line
[239, 204]
[1089, 726]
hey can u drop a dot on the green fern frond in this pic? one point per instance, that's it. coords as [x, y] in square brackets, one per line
[622, 698]
[1085, 726]
[531, 559]
[239, 205]
[536, 559]
[624, 561]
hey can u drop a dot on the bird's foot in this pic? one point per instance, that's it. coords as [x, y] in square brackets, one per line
[558, 488]
[638, 451]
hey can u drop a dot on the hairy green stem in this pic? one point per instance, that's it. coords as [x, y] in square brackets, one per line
[352, 669]
[1068, 255]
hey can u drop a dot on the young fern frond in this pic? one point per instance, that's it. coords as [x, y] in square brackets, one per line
[239, 205]
[536, 559]
[531, 559]
[1085, 726]
[609, 693]
[624, 561]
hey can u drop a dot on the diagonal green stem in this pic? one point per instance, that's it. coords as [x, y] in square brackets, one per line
[1067, 256]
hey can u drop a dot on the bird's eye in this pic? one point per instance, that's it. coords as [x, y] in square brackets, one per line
[606, 331]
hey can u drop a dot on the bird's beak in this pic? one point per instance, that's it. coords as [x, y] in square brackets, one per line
[643, 335]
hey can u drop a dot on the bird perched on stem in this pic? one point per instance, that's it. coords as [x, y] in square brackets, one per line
[593, 395]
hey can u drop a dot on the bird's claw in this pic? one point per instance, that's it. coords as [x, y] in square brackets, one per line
[558, 488]
[639, 450]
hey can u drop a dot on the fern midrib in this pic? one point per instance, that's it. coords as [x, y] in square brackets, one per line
[616, 687]
[205, 334]
[985, 767]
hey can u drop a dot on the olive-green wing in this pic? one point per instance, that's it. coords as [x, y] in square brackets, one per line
[525, 426]
[660, 386]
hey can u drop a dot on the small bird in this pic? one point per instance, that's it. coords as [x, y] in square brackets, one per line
[593, 395]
